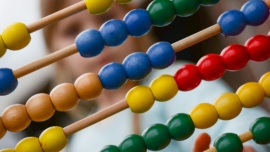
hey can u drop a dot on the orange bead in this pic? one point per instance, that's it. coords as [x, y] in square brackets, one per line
[40, 107]
[64, 97]
[88, 86]
[15, 118]
[2, 129]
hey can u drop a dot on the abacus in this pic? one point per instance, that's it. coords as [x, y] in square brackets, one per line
[137, 66]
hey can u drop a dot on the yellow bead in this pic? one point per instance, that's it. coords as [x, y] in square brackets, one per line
[16, 36]
[3, 48]
[53, 139]
[140, 99]
[204, 115]
[7, 150]
[164, 88]
[265, 82]
[228, 106]
[29, 144]
[251, 94]
[98, 6]
[122, 1]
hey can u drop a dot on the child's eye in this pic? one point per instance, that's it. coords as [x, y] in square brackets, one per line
[72, 31]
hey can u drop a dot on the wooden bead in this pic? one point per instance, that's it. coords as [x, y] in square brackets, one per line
[7, 150]
[97, 6]
[265, 82]
[40, 107]
[3, 48]
[2, 129]
[29, 144]
[15, 118]
[64, 97]
[228, 142]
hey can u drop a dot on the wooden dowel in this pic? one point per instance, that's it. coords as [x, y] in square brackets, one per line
[267, 3]
[48, 20]
[90, 120]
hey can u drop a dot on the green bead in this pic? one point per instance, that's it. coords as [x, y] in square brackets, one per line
[186, 8]
[110, 148]
[180, 126]
[157, 137]
[162, 12]
[260, 130]
[133, 143]
[229, 142]
[209, 2]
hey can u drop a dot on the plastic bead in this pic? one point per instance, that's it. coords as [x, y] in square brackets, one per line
[8, 81]
[156, 137]
[211, 67]
[260, 130]
[122, 1]
[39, 107]
[164, 88]
[15, 118]
[162, 12]
[180, 126]
[186, 8]
[209, 2]
[228, 106]
[137, 66]
[114, 32]
[29, 144]
[138, 22]
[251, 94]
[140, 99]
[3, 48]
[161, 55]
[64, 97]
[232, 22]
[133, 143]
[228, 142]
[88, 86]
[265, 82]
[110, 148]
[89, 43]
[98, 7]
[7, 150]
[204, 115]
[187, 77]
[2, 129]
[112, 76]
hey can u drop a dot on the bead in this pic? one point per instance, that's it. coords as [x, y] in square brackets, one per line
[2, 129]
[64, 97]
[164, 88]
[228, 142]
[16, 36]
[7, 150]
[29, 144]
[3, 48]
[211, 67]
[53, 139]
[110, 148]
[185, 8]
[113, 32]
[133, 143]
[260, 130]
[98, 7]
[88, 86]
[39, 107]
[228, 106]
[161, 55]
[232, 22]
[187, 77]
[15, 118]
[122, 1]
[180, 126]
[162, 12]
[251, 94]
[258, 47]
[137, 66]
[265, 83]
[140, 99]
[138, 22]
[89, 43]
[8, 81]
[209, 2]
[204, 115]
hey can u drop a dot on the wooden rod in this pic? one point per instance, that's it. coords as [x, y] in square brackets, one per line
[48, 20]
[90, 120]
[267, 3]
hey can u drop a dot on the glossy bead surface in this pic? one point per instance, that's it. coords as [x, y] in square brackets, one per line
[110, 148]
[140, 99]
[251, 94]
[228, 142]
[265, 83]
[8, 81]
[180, 126]
[133, 143]
[260, 130]
[2, 129]
[29, 144]
[209, 2]
[98, 7]
[211, 67]
[186, 8]
[122, 1]
[3, 48]
[112, 76]
[156, 137]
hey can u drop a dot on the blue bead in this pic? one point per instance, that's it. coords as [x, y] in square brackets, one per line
[256, 12]
[232, 22]
[112, 76]
[161, 55]
[8, 82]
[138, 22]
[89, 43]
[114, 32]
[137, 66]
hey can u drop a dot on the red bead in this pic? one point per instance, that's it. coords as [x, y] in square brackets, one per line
[258, 47]
[188, 77]
[235, 57]
[211, 67]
